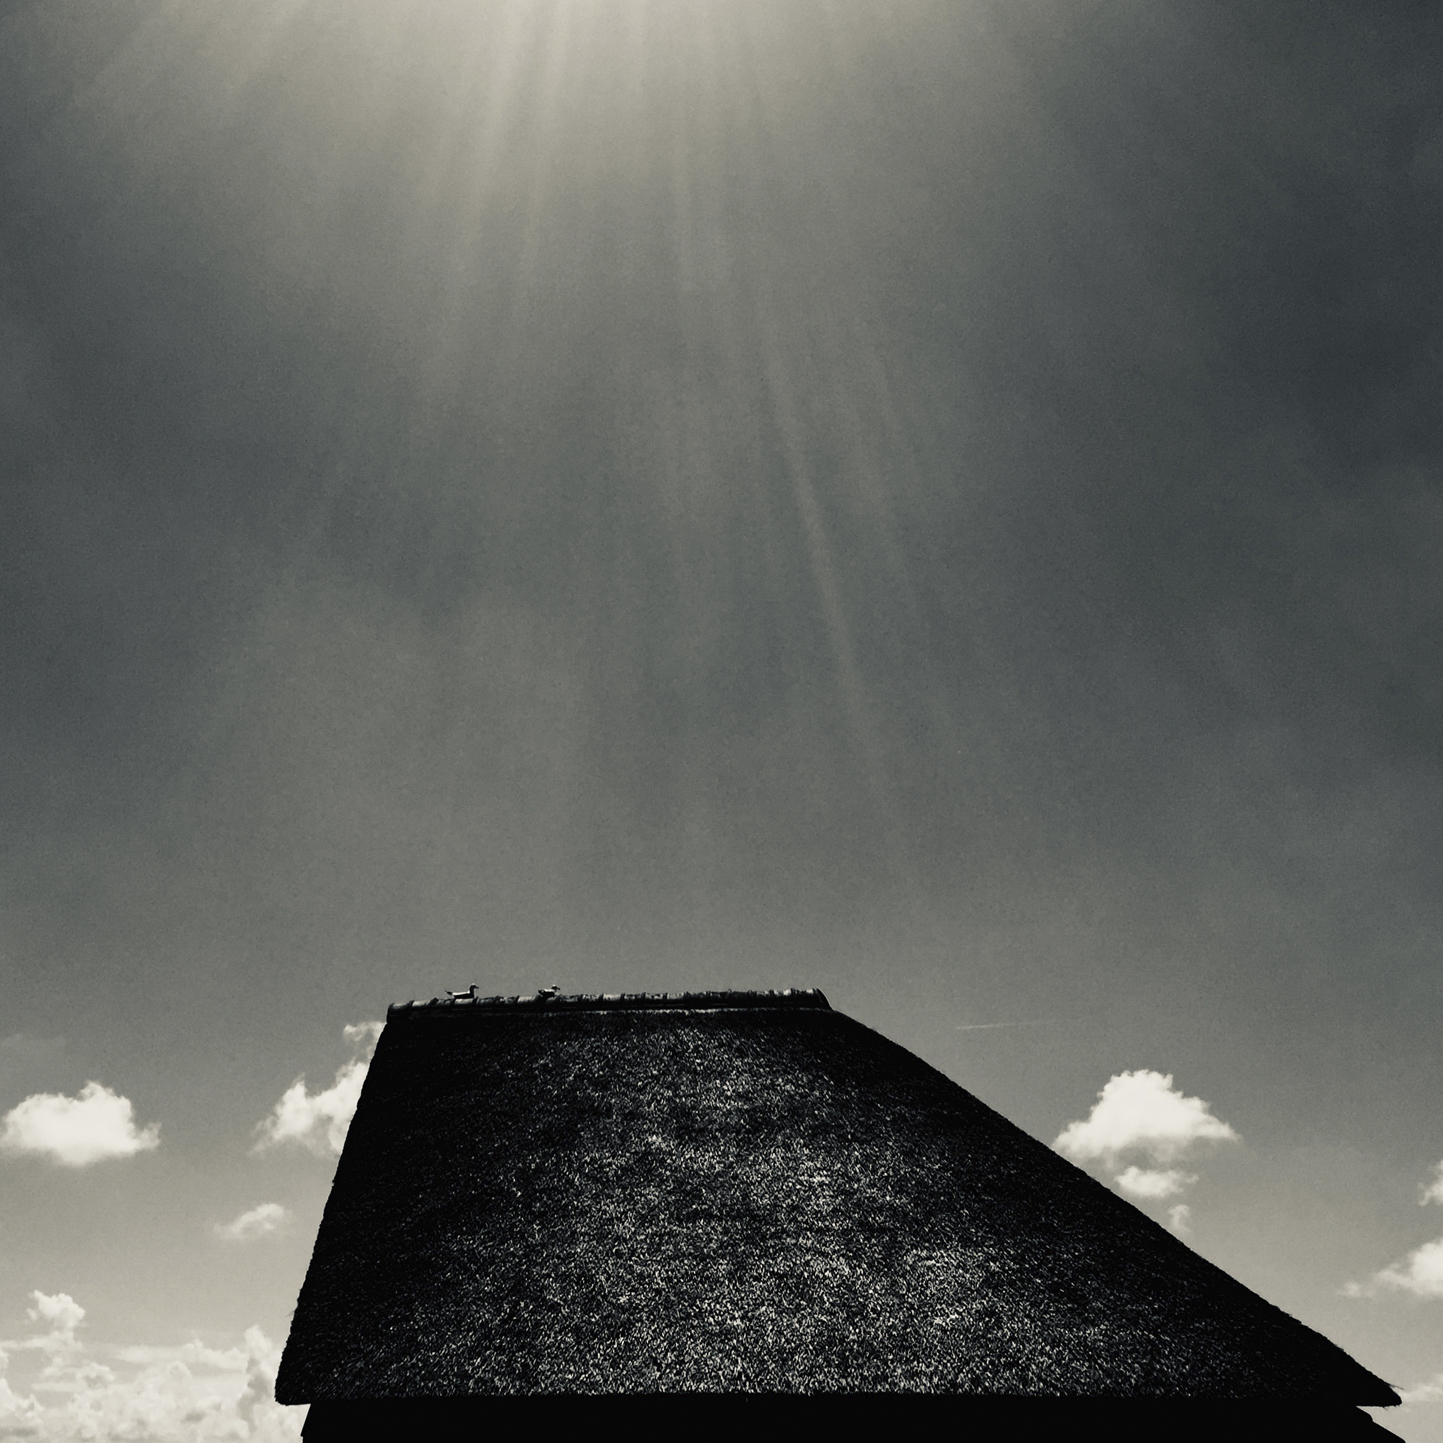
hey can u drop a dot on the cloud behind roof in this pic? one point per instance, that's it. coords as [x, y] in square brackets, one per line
[317, 1121]
[1142, 1112]
[1154, 1182]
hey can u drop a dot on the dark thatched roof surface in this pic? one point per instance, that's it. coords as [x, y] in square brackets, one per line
[743, 1193]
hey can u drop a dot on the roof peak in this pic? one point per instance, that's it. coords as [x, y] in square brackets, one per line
[549, 1000]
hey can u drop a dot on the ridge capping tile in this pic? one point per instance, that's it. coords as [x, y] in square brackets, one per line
[805, 998]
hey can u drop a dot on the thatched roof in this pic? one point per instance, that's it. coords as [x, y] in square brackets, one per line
[743, 1193]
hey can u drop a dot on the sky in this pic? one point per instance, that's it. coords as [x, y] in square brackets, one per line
[935, 500]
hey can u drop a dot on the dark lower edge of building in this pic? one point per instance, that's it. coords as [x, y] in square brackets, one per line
[699, 1415]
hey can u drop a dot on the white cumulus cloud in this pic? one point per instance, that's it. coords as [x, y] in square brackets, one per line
[318, 1120]
[1143, 1114]
[76, 1131]
[164, 1394]
[60, 1313]
[1142, 1111]
[1420, 1273]
[1153, 1182]
[258, 1222]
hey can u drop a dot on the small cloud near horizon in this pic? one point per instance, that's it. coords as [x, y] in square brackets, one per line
[1420, 1273]
[92, 1127]
[1142, 1113]
[318, 1121]
[258, 1222]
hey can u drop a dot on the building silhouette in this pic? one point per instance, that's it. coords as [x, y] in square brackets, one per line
[746, 1209]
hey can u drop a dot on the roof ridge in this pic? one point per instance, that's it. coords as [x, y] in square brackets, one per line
[549, 1001]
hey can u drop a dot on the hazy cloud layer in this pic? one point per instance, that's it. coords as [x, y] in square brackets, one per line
[318, 1121]
[1433, 1189]
[77, 1131]
[109, 1393]
[1429, 1391]
[256, 1222]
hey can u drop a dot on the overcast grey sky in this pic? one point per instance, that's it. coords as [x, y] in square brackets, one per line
[935, 501]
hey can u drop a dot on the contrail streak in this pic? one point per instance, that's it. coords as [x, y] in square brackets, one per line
[1032, 1022]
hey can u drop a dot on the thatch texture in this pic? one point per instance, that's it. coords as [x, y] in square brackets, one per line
[561, 1197]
